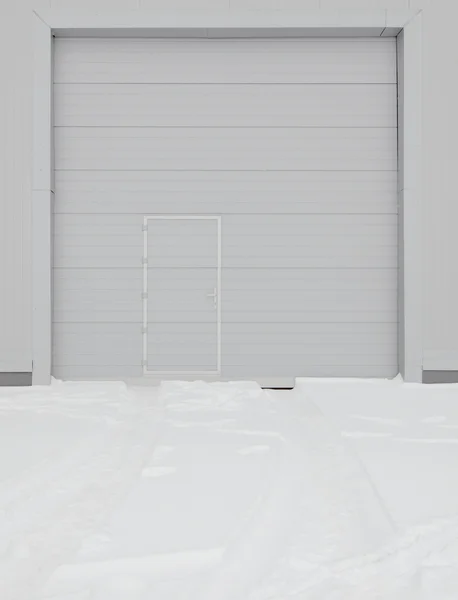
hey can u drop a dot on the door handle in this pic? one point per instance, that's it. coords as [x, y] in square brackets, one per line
[214, 295]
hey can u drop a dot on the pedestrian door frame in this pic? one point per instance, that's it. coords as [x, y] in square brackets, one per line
[146, 219]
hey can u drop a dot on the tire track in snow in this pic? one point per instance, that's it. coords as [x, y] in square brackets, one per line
[84, 497]
[320, 500]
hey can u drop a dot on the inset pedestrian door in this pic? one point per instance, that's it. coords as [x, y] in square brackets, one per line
[182, 295]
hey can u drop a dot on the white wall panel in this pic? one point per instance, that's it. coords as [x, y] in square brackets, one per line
[420, 4]
[226, 149]
[217, 61]
[364, 4]
[440, 186]
[41, 5]
[15, 189]
[72, 6]
[344, 105]
[360, 196]
[172, 5]
[275, 5]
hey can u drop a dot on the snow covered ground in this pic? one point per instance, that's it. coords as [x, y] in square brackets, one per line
[337, 490]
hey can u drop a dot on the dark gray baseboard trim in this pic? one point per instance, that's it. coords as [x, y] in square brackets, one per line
[440, 376]
[15, 379]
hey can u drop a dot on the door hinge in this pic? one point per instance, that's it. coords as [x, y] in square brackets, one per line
[144, 260]
[144, 330]
[144, 295]
[144, 227]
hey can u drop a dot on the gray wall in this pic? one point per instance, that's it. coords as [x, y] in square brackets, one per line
[15, 188]
[440, 184]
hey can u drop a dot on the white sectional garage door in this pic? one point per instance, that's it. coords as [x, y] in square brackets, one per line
[225, 207]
